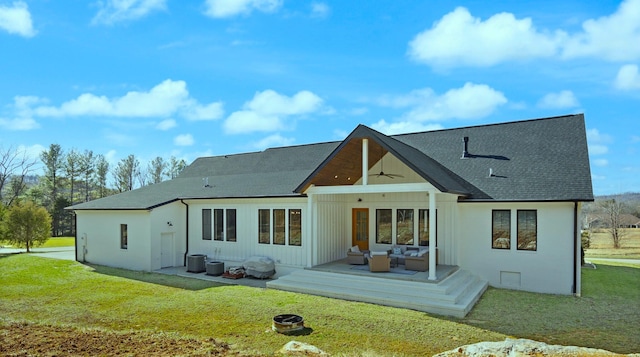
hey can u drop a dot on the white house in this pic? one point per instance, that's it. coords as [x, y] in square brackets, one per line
[502, 201]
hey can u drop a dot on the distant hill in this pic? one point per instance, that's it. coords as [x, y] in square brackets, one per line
[622, 197]
[631, 201]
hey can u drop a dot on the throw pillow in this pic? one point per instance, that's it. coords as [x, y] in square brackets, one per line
[397, 250]
[355, 249]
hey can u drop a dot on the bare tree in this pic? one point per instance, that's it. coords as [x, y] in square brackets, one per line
[14, 167]
[613, 211]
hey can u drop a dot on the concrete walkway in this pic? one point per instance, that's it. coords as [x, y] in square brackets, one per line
[616, 260]
[64, 253]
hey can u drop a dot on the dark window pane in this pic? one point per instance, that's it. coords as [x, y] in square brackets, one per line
[423, 227]
[231, 225]
[501, 229]
[404, 226]
[206, 224]
[383, 226]
[218, 224]
[527, 230]
[279, 227]
[264, 226]
[124, 236]
[295, 227]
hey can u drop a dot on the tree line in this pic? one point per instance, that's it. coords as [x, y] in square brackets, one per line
[74, 176]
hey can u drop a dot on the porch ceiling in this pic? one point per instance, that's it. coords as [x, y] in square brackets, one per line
[345, 168]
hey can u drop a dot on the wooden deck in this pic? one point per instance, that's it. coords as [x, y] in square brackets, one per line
[454, 293]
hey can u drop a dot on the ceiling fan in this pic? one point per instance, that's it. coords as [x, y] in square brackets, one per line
[382, 173]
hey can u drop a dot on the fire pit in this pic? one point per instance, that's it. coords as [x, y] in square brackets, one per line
[288, 323]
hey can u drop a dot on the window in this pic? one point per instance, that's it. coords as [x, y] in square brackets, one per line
[206, 224]
[231, 225]
[527, 230]
[423, 227]
[218, 224]
[295, 227]
[286, 229]
[264, 226]
[501, 229]
[279, 235]
[383, 226]
[404, 227]
[124, 238]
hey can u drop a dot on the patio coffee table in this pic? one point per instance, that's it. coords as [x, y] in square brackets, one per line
[394, 261]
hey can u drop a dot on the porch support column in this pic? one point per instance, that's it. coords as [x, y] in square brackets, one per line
[312, 240]
[365, 161]
[432, 235]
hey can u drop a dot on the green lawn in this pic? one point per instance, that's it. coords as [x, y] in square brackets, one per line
[57, 292]
[52, 242]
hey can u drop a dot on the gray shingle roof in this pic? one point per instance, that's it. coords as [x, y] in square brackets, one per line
[532, 160]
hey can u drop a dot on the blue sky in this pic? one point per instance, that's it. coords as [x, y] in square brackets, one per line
[194, 78]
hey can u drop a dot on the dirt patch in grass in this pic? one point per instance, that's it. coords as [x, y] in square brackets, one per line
[24, 339]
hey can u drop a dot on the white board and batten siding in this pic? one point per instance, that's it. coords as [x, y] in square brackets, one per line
[548, 269]
[246, 244]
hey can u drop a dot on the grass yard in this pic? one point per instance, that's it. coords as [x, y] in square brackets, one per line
[602, 245]
[53, 242]
[65, 301]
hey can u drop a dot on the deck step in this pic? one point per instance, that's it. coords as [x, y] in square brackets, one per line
[453, 296]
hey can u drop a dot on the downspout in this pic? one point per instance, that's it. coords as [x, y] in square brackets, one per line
[75, 229]
[575, 248]
[186, 234]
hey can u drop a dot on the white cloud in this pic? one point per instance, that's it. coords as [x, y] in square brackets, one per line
[166, 124]
[275, 140]
[560, 100]
[613, 38]
[19, 124]
[165, 99]
[403, 127]
[468, 102]
[184, 140]
[118, 138]
[32, 152]
[210, 111]
[459, 39]
[112, 11]
[597, 149]
[597, 144]
[595, 136]
[320, 9]
[600, 162]
[16, 19]
[20, 115]
[271, 111]
[230, 8]
[628, 78]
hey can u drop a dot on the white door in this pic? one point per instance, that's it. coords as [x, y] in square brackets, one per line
[166, 250]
